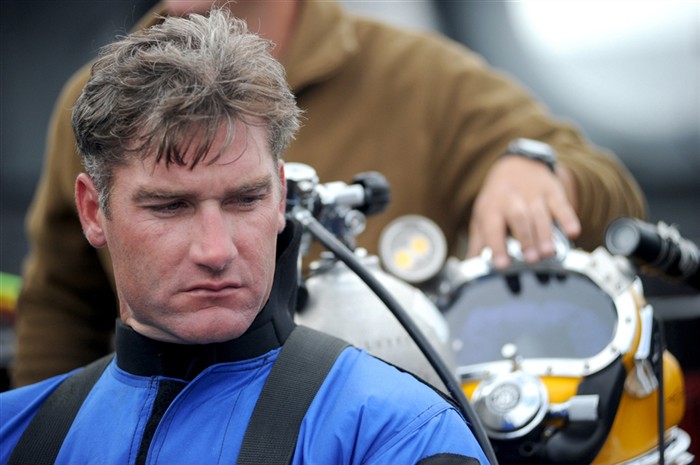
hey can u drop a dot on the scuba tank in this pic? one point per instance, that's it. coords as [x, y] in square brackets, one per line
[336, 300]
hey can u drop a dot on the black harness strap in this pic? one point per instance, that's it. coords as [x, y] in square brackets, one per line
[41, 441]
[274, 427]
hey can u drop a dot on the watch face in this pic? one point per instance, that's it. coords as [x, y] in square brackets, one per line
[534, 150]
[535, 146]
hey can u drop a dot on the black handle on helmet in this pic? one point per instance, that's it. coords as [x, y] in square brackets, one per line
[658, 246]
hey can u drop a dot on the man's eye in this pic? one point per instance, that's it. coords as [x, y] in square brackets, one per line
[250, 199]
[170, 207]
[245, 201]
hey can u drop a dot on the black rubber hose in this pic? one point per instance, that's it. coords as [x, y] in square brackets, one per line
[659, 346]
[453, 387]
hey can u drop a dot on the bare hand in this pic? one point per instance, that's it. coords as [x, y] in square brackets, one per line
[523, 198]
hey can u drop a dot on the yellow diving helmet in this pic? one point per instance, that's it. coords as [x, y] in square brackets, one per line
[563, 359]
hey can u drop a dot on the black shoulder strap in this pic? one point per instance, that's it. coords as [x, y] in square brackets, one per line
[43, 438]
[274, 427]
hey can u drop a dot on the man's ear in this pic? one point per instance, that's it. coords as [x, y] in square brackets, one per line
[91, 216]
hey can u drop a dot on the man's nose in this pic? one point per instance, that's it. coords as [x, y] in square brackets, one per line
[213, 242]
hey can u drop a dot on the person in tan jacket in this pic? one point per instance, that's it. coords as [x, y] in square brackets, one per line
[424, 111]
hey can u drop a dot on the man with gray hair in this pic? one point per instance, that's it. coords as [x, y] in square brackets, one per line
[181, 129]
[427, 113]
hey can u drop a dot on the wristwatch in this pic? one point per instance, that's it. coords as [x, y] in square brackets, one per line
[534, 150]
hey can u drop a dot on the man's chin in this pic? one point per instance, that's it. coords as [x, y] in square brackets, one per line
[212, 330]
[205, 326]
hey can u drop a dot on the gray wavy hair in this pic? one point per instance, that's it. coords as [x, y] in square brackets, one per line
[150, 91]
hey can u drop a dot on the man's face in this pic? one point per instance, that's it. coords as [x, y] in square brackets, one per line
[193, 249]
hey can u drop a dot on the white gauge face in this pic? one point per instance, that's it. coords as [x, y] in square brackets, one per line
[413, 248]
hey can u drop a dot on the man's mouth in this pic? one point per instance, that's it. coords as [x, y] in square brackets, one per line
[213, 287]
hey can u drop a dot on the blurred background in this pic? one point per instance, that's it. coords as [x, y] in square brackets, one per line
[627, 72]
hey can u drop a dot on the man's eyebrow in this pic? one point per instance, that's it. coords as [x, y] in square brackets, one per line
[145, 195]
[261, 183]
[148, 194]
